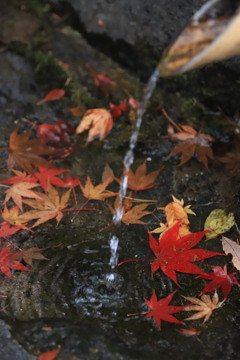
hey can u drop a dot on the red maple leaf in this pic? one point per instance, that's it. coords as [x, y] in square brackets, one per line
[7, 230]
[220, 279]
[118, 109]
[101, 80]
[174, 254]
[70, 182]
[8, 261]
[48, 176]
[20, 177]
[161, 310]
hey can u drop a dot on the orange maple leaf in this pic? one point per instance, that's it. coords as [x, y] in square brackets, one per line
[193, 142]
[16, 191]
[27, 152]
[98, 192]
[11, 216]
[98, 121]
[131, 215]
[48, 206]
[190, 332]
[54, 94]
[175, 211]
[141, 180]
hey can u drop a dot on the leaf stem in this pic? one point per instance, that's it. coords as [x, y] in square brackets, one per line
[81, 208]
[107, 227]
[171, 120]
[134, 260]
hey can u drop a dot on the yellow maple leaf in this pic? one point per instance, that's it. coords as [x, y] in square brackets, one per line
[98, 192]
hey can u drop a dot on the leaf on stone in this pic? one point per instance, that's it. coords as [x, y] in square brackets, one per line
[98, 192]
[20, 189]
[204, 307]
[49, 206]
[190, 332]
[75, 111]
[8, 261]
[7, 230]
[193, 142]
[20, 177]
[101, 80]
[175, 254]
[49, 175]
[33, 253]
[26, 152]
[231, 247]
[11, 216]
[107, 173]
[70, 182]
[219, 222]
[118, 109]
[175, 211]
[98, 121]
[49, 355]
[220, 278]
[54, 94]
[140, 180]
[131, 215]
[161, 310]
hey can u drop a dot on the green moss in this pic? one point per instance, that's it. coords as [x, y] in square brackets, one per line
[45, 65]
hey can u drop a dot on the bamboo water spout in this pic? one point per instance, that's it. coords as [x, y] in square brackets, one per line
[212, 35]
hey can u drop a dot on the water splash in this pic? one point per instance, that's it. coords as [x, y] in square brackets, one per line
[127, 162]
[113, 249]
[113, 259]
[129, 157]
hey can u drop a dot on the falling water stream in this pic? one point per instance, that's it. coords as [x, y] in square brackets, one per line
[127, 162]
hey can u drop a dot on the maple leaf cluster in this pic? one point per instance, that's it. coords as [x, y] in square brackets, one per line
[175, 254]
[47, 203]
[174, 249]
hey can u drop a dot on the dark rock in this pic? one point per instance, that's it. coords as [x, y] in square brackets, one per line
[154, 22]
[9, 348]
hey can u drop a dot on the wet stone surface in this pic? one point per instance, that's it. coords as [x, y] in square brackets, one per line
[70, 295]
